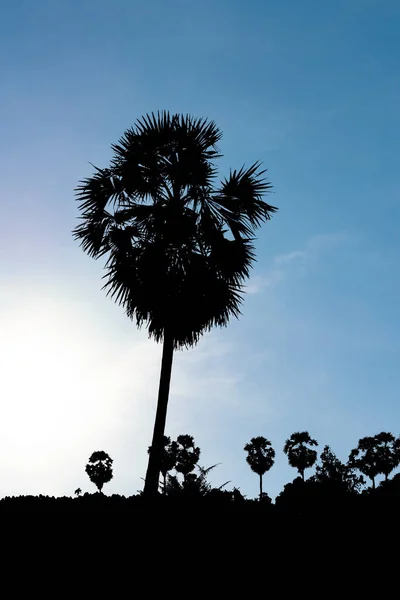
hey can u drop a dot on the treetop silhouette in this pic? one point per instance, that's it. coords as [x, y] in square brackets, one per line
[376, 455]
[300, 456]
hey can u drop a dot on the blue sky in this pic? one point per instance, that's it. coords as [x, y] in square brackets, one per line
[312, 90]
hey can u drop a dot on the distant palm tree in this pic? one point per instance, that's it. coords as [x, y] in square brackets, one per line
[99, 469]
[178, 247]
[260, 457]
[300, 456]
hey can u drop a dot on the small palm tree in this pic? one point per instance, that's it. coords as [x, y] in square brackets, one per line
[300, 456]
[99, 469]
[260, 457]
[179, 247]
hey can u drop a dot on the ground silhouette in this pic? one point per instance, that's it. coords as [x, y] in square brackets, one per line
[336, 495]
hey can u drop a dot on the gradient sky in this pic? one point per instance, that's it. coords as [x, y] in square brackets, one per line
[312, 89]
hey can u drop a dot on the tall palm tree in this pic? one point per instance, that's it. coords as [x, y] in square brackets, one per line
[179, 247]
[300, 456]
[260, 457]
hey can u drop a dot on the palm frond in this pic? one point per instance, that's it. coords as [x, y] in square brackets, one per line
[239, 200]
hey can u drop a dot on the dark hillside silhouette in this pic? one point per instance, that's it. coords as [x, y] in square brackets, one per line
[178, 246]
[334, 499]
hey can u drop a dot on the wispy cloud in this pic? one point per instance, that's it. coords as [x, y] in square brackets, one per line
[298, 260]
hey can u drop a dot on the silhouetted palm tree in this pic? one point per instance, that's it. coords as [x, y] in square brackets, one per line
[376, 455]
[260, 457]
[178, 248]
[99, 469]
[300, 456]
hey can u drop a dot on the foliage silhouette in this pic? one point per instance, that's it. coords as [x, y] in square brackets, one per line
[260, 457]
[187, 455]
[192, 484]
[99, 469]
[178, 248]
[78, 492]
[376, 455]
[169, 456]
[300, 456]
[332, 471]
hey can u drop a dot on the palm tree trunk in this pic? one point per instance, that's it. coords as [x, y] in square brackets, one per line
[155, 456]
[261, 491]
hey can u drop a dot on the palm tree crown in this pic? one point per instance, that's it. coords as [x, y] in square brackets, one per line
[260, 455]
[178, 247]
[300, 456]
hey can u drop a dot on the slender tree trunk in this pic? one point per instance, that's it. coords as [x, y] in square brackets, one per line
[261, 488]
[302, 474]
[155, 456]
[373, 482]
